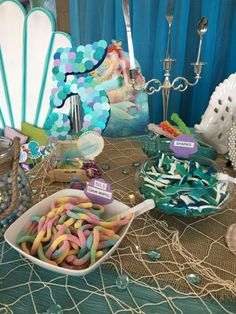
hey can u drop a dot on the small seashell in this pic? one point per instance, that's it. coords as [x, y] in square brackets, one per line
[230, 238]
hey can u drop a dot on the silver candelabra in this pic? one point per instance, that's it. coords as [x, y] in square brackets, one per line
[155, 85]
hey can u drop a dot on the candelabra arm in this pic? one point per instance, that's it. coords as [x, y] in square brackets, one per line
[150, 86]
[181, 83]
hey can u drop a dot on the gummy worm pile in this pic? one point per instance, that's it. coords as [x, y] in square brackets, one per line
[72, 234]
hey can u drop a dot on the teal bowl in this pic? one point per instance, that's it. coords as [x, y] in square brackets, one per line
[184, 187]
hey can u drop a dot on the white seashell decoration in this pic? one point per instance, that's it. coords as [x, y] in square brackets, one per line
[230, 238]
[27, 45]
[219, 115]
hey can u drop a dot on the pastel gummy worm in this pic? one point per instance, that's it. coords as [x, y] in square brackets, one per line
[43, 257]
[62, 219]
[37, 241]
[74, 245]
[82, 251]
[80, 214]
[82, 211]
[72, 200]
[56, 242]
[73, 267]
[82, 237]
[111, 224]
[86, 205]
[80, 261]
[87, 232]
[25, 238]
[41, 223]
[94, 245]
[89, 241]
[108, 243]
[24, 247]
[36, 218]
[65, 246]
[49, 229]
[26, 227]
[86, 227]
[105, 231]
[83, 217]
[62, 228]
[97, 209]
[78, 224]
[66, 253]
[32, 228]
[69, 222]
[103, 237]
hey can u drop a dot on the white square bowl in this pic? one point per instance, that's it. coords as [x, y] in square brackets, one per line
[42, 208]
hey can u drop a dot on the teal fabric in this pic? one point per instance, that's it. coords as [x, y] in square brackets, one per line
[26, 288]
[95, 19]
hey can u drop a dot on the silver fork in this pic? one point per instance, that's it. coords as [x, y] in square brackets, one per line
[169, 18]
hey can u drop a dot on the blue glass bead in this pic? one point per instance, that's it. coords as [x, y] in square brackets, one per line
[10, 221]
[154, 255]
[105, 166]
[122, 281]
[136, 164]
[125, 171]
[54, 309]
[193, 278]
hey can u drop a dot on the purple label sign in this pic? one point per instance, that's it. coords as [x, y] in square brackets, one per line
[99, 192]
[184, 145]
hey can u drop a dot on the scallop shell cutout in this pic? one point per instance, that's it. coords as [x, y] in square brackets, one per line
[225, 91]
[93, 139]
[26, 63]
[230, 238]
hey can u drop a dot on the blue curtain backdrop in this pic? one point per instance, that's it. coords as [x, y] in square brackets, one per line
[92, 20]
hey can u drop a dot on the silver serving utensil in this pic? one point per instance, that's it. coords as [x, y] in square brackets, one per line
[201, 29]
[169, 18]
[125, 7]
